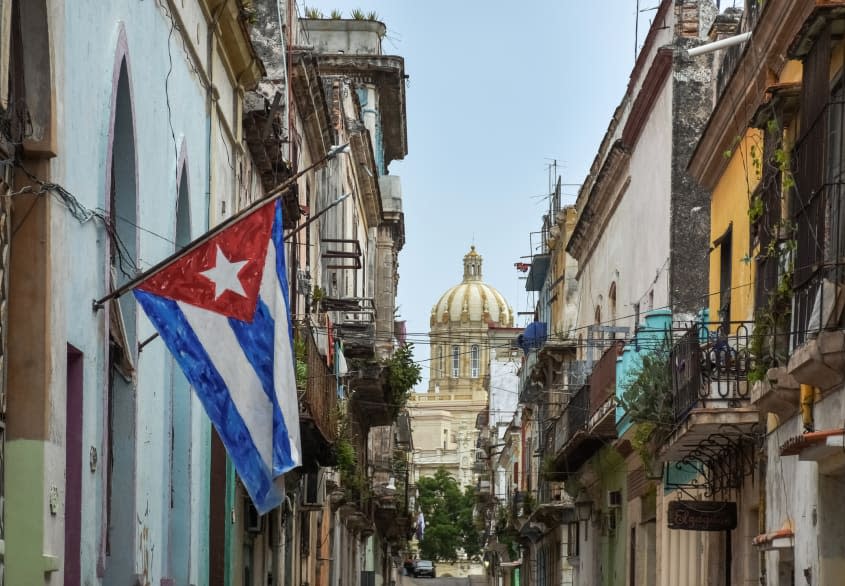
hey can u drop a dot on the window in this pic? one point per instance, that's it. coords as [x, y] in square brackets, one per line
[611, 302]
[723, 243]
[807, 198]
[442, 362]
[572, 534]
[456, 361]
[474, 361]
[123, 342]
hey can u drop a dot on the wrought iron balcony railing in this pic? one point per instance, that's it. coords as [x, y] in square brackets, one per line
[710, 365]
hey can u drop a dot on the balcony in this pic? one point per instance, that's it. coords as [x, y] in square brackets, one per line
[481, 461]
[484, 489]
[777, 393]
[710, 389]
[538, 271]
[602, 401]
[369, 389]
[589, 419]
[554, 505]
[354, 319]
[818, 358]
[529, 389]
[318, 406]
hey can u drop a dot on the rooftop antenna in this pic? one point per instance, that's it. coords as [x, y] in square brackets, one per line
[637, 26]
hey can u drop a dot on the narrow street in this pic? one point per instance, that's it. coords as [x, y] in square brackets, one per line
[448, 581]
[319, 293]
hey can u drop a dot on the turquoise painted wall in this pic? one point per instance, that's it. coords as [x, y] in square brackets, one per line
[650, 335]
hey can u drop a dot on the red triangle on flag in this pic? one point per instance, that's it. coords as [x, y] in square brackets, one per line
[224, 273]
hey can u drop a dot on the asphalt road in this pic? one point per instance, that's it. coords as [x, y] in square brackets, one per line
[474, 581]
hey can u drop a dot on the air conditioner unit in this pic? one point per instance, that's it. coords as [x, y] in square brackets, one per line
[313, 489]
[614, 499]
[303, 278]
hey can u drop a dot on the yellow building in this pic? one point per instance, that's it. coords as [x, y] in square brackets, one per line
[471, 324]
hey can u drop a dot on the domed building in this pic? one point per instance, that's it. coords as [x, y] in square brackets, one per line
[470, 326]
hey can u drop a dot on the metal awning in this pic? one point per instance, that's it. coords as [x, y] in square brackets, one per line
[537, 273]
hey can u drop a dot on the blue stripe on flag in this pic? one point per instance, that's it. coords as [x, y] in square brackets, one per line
[183, 343]
[281, 270]
[257, 339]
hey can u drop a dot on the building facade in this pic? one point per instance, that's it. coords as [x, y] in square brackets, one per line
[471, 334]
[699, 438]
[131, 129]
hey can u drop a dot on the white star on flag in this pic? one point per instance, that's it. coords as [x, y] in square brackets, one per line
[224, 275]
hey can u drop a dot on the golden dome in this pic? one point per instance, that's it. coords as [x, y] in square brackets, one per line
[472, 300]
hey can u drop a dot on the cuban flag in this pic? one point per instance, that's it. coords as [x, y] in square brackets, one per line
[222, 310]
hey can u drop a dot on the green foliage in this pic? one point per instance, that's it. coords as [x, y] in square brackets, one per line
[756, 209]
[336, 14]
[402, 374]
[647, 397]
[529, 503]
[448, 514]
[300, 351]
[642, 443]
[769, 341]
[504, 533]
[358, 14]
[313, 12]
[647, 400]
[373, 15]
[351, 477]
[729, 152]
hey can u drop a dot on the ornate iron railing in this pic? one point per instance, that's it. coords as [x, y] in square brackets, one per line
[709, 365]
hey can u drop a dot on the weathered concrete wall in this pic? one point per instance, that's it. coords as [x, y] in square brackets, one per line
[357, 37]
[690, 204]
[800, 492]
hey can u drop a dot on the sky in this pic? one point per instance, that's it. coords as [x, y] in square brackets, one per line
[497, 92]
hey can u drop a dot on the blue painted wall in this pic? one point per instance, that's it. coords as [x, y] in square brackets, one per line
[164, 495]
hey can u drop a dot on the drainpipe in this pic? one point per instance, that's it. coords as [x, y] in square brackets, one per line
[808, 393]
[720, 44]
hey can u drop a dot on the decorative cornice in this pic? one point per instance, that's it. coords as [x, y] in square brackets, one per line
[603, 198]
[645, 51]
[234, 36]
[653, 83]
[311, 103]
[387, 73]
[367, 173]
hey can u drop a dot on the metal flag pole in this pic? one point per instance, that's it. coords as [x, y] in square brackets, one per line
[272, 195]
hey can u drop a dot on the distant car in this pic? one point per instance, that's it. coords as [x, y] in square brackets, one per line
[424, 568]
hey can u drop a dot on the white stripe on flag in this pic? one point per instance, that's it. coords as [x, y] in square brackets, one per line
[284, 377]
[219, 341]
